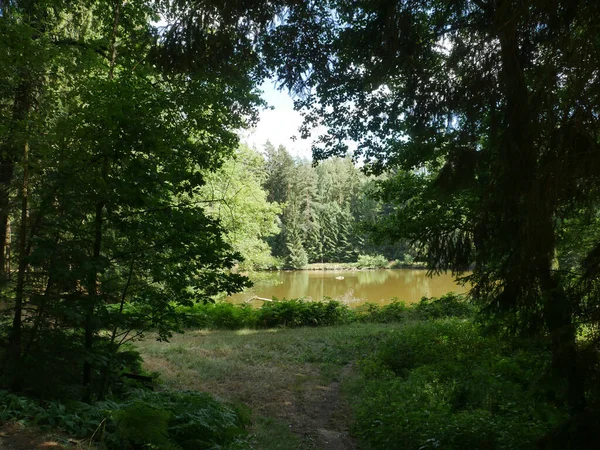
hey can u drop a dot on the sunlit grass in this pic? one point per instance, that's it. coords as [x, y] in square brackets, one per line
[268, 370]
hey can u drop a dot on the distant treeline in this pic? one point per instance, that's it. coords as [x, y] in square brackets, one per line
[284, 212]
[323, 207]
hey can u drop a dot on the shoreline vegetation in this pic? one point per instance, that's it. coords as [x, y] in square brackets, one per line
[354, 266]
[369, 263]
[312, 375]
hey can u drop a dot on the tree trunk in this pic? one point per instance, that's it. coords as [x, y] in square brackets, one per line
[15, 334]
[94, 284]
[15, 147]
[9, 153]
[531, 209]
[565, 358]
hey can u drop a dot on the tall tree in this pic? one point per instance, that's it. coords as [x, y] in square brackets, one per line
[234, 195]
[120, 125]
[490, 109]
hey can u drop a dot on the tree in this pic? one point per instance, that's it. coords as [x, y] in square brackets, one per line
[234, 195]
[108, 137]
[490, 117]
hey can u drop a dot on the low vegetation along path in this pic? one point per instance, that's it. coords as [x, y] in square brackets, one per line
[290, 378]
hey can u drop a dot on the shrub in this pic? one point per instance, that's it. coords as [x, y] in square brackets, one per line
[372, 262]
[285, 313]
[443, 384]
[218, 316]
[188, 420]
[300, 312]
[294, 313]
[144, 424]
[449, 305]
[160, 420]
[407, 260]
[393, 312]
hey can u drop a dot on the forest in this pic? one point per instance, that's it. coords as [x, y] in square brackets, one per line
[461, 136]
[282, 212]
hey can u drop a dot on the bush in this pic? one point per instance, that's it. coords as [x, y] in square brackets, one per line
[393, 312]
[285, 313]
[449, 305]
[224, 316]
[160, 420]
[184, 420]
[407, 260]
[372, 262]
[295, 313]
[300, 312]
[443, 384]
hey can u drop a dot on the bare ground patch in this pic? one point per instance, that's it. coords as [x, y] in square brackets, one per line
[14, 436]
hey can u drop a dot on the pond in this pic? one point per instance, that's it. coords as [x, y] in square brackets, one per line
[351, 287]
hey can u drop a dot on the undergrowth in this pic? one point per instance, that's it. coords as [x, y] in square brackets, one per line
[444, 384]
[192, 420]
[159, 420]
[299, 312]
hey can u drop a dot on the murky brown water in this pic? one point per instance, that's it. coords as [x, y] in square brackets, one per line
[355, 288]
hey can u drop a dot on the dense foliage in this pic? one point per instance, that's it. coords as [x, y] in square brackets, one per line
[486, 112]
[160, 420]
[299, 312]
[234, 195]
[444, 384]
[324, 212]
[108, 131]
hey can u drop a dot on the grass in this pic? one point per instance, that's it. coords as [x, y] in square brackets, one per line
[425, 376]
[288, 377]
[420, 377]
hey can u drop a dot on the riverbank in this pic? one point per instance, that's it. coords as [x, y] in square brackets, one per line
[355, 267]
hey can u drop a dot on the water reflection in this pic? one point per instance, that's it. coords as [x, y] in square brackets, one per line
[354, 287]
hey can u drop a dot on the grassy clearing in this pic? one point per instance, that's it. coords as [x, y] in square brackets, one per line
[290, 378]
[401, 377]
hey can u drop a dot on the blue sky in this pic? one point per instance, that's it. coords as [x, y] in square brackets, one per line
[279, 124]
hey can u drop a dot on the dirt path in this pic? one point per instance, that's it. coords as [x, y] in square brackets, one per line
[17, 437]
[314, 411]
[289, 378]
[319, 412]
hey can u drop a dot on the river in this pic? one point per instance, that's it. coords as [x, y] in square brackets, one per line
[351, 287]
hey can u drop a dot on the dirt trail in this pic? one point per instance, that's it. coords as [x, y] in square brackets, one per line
[290, 377]
[17, 437]
[315, 411]
[319, 412]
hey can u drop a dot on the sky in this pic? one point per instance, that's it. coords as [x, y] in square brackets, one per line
[279, 124]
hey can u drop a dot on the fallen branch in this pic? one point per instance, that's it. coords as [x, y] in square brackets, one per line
[258, 298]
